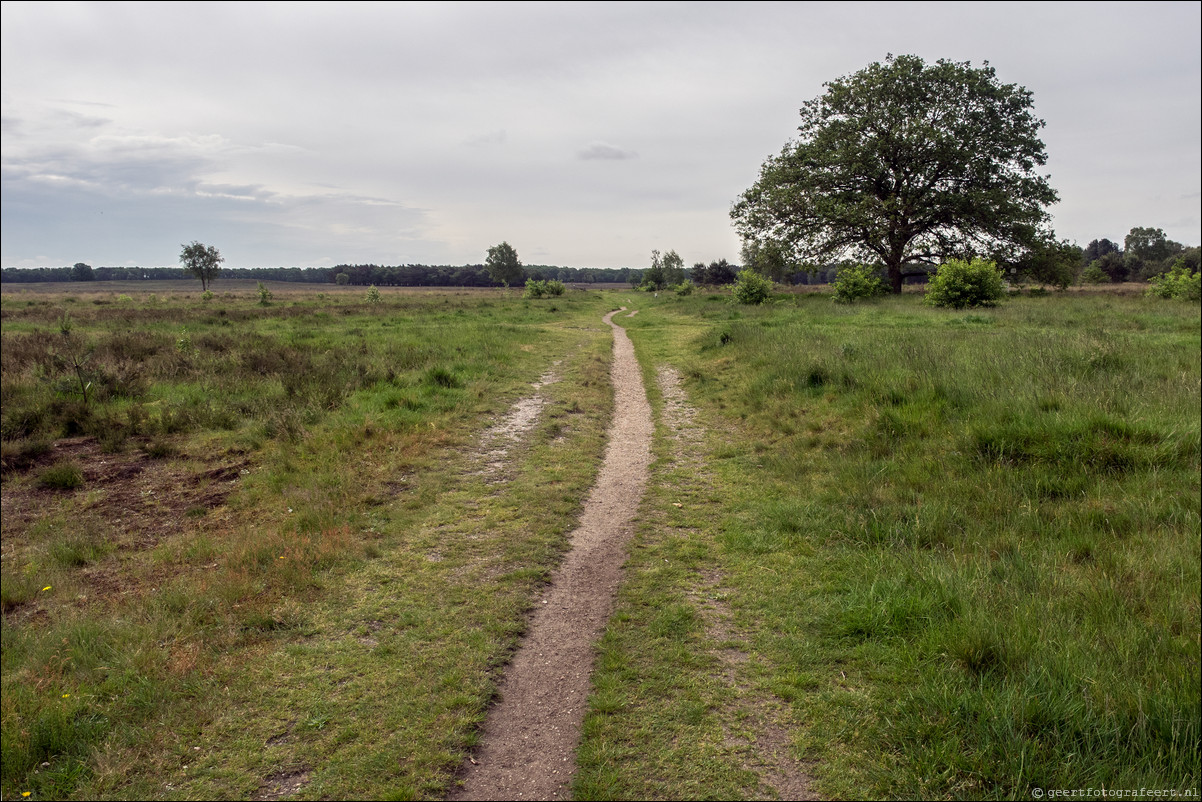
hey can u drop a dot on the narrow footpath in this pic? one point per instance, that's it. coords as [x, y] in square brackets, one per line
[529, 743]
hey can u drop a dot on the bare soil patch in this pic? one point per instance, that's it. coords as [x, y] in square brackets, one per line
[501, 438]
[530, 738]
[143, 498]
[130, 500]
[282, 784]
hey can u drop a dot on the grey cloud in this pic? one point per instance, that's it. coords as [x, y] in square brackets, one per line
[605, 151]
[84, 103]
[78, 120]
[465, 114]
[498, 137]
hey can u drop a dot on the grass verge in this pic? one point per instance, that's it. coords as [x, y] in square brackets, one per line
[963, 549]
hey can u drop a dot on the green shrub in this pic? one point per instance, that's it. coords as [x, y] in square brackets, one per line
[959, 284]
[751, 288]
[537, 288]
[855, 282]
[373, 295]
[63, 476]
[1094, 274]
[1178, 283]
[555, 288]
[684, 288]
[206, 296]
[264, 295]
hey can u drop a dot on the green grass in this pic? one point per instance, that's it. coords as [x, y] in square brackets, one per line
[63, 476]
[342, 614]
[947, 554]
[964, 548]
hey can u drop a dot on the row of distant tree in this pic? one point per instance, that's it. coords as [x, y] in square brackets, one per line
[379, 275]
[1144, 254]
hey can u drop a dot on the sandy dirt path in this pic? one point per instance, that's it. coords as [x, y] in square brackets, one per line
[529, 742]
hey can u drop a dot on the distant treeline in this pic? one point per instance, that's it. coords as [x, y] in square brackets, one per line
[1146, 253]
[379, 275]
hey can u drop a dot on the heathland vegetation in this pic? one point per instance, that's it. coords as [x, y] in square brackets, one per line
[263, 540]
[282, 540]
[962, 548]
[251, 547]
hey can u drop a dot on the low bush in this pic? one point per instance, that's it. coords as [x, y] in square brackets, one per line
[1094, 275]
[959, 284]
[684, 288]
[537, 288]
[751, 288]
[857, 282]
[1179, 283]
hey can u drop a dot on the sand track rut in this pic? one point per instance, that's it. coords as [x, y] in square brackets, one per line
[530, 738]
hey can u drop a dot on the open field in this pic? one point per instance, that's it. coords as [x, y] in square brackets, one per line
[286, 550]
[291, 558]
[960, 548]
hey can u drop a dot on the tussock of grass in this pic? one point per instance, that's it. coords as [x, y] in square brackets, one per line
[63, 476]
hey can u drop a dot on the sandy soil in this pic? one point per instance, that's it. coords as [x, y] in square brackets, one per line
[510, 430]
[530, 738]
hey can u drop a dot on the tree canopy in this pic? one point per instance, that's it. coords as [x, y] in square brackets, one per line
[503, 264]
[667, 270]
[907, 164]
[767, 257]
[202, 261]
[717, 272]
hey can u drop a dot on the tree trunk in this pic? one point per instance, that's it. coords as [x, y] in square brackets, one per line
[895, 276]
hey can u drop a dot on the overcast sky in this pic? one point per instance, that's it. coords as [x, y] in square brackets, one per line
[584, 134]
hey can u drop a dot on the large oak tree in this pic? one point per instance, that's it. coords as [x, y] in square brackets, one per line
[906, 164]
